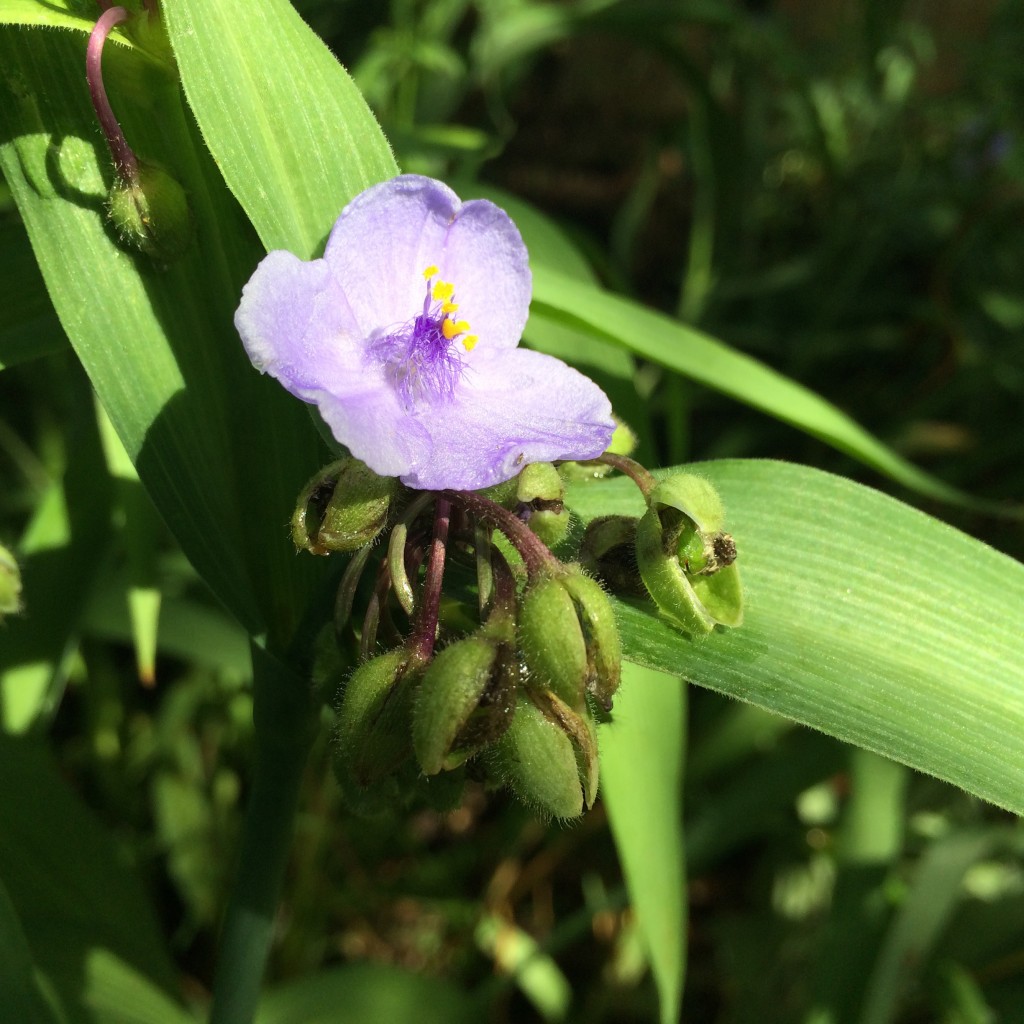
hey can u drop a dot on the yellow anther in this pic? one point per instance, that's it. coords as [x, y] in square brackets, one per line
[449, 307]
[461, 327]
[444, 290]
[448, 329]
[430, 271]
[469, 342]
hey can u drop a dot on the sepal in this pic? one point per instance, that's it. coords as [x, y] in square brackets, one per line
[343, 507]
[685, 558]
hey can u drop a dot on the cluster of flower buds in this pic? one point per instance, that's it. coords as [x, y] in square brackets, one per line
[480, 653]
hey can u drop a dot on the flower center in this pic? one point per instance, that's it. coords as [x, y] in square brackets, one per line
[419, 356]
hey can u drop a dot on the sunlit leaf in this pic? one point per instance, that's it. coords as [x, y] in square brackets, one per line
[290, 132]
[864, 618]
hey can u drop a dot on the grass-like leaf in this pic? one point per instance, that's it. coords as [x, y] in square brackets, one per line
[864, 618]
[291, 133]
[221, 450]
[662, 340]
[642, 752]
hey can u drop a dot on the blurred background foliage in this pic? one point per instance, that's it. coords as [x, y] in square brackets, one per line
[835, 186]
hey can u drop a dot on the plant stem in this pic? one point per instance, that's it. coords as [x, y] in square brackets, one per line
[535, 553]
[631, 468]
[425, 632]
[125, 163]
[283, 719]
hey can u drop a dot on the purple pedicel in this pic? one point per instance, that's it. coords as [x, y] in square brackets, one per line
[405, 337]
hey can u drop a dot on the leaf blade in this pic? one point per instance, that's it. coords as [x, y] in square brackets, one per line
[292, 161]
[642, 751]
[865, 619]
[702, 358]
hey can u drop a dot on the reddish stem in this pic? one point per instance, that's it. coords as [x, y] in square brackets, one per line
[536, 556]
[125, 163]
[425, 631]
[631, 468]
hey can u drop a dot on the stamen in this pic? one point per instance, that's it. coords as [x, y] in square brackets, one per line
[417, 355]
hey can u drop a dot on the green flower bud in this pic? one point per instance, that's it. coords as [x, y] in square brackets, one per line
[624, 440]
[374, 715]
[686, 559]
[10, 584]
[608, 551]
[151, 213]
[342, 508]
[582, 732]
[540, 488]
[537, 760]
[569, 639]
[465, 701]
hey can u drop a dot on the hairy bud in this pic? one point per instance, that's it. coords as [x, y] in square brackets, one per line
[374, 719]
[569, 638]
[465, 700]
[150, 212]
[537, 760]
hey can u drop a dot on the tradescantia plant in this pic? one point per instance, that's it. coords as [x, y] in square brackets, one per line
[481, 642]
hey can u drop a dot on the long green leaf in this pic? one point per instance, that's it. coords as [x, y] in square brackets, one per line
[291, 133]
[28, 327]
[864, 618]
[704, 359]
[53, 14]
[642, 752]
[221, 450]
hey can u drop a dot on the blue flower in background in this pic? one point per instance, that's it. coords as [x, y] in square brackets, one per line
[405, 337]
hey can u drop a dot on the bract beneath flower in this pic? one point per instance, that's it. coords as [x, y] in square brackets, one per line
[405, 337]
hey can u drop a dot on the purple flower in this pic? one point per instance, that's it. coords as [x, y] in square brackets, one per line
[404, 336]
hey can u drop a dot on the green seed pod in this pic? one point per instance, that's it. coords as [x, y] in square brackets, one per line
[686, 560]
[608, 551]
[151, 213]
[537, 760]
[374, 713]
[569, 639]
[342, 508]
[10, 584]
[465, 701]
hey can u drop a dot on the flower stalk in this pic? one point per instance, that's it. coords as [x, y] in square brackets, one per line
[425, 631]
[126, 165]
[535, 553]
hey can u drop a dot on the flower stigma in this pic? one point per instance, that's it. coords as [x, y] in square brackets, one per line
[419, 357]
